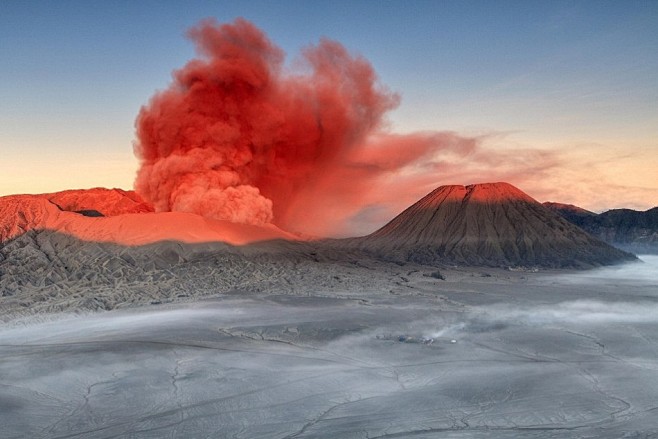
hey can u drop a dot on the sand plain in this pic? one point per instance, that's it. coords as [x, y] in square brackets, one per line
[393, 353]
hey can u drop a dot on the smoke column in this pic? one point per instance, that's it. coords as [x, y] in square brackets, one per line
[238, 136]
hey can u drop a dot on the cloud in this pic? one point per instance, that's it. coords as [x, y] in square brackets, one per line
[242, 137]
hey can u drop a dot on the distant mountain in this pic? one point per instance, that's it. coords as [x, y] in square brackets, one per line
[627, 229]
[569, 211]
[493, 224]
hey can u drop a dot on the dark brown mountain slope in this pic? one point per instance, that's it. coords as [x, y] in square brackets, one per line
[493, 224]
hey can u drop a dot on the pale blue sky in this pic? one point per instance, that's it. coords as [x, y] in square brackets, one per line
[576, 77]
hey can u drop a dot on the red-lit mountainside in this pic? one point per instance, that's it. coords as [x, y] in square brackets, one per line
[99, 202]
[119, 217]
[492, 224]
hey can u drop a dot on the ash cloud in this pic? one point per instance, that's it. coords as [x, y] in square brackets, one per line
[240, 136]
[237, 137]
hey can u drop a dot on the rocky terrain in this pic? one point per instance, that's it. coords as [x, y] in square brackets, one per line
[627, 229]
[47, 271]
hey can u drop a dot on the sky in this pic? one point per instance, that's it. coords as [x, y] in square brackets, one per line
[569, 89]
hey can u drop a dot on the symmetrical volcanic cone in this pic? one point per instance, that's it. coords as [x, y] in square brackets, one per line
[493, 224]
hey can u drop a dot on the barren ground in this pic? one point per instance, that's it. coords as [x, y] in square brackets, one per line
[368, 350]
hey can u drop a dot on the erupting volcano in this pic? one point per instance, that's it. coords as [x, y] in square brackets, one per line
[252, 279]
[242, 147]
[240, 136]
[236, 137]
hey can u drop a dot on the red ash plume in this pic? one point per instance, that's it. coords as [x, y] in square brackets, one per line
[237, 136]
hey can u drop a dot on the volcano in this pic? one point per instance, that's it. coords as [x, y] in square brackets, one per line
[492, 224]
[119, 217]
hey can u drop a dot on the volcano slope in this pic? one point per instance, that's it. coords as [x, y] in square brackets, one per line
[492, 224]
[56, 257]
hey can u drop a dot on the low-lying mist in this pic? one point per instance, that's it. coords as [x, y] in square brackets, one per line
[644, 270]
[635, 300]
[576, 312]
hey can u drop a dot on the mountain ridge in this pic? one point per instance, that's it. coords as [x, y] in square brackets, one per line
[628, 229]
[488, 224]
